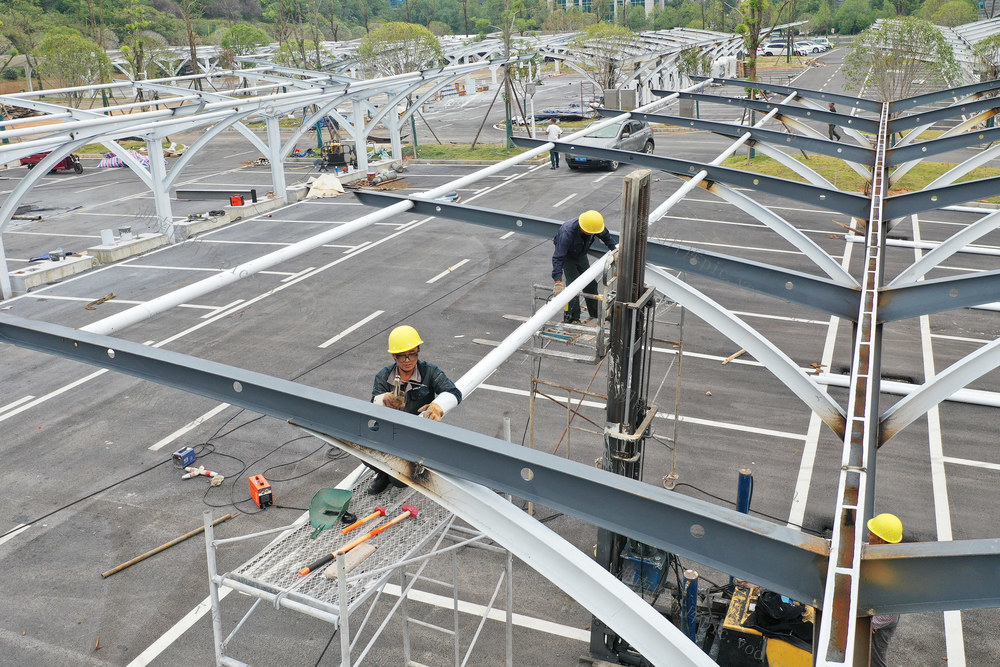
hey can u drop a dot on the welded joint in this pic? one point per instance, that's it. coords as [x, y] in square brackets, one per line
[640, 430]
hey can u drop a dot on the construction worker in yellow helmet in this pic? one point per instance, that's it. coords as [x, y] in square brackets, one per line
[569, 260]
[410, 385]
[883, 529]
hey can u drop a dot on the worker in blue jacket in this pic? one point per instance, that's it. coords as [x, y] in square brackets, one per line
[418, 382]
[572, 241]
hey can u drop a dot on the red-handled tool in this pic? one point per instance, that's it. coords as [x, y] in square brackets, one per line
[408, 511]
[379, 511]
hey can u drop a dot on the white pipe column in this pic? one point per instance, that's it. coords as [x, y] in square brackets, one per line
[392, 122]
[159, 188]
[274, 157]
[482, 370]
[6, 290]
[358, 132]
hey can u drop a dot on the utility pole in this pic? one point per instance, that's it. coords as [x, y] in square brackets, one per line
[632, 314]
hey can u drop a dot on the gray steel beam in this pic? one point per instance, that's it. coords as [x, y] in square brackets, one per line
[939, 95]
[772, 555]
[932, 147]
[935, 198]
[835, 200]
[792, 286]
[859, 123]
[947, 113]
[930, 576]
[938, 295]
[847, 100]
[811, 144]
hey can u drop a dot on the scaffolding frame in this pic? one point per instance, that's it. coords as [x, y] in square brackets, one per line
[351, 593]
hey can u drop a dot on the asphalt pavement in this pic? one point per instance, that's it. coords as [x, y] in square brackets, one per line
[87, 477]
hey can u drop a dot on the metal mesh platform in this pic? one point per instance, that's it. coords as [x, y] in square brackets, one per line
[275, 568]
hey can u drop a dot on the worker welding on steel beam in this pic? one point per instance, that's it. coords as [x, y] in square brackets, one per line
[572, 241]
[409, 385]
[883, 529]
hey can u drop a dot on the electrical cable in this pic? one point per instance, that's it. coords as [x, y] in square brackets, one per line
[763, 514]
[79, 500]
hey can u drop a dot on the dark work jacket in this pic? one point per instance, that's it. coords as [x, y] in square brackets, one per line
[571, 242]
[433, 381]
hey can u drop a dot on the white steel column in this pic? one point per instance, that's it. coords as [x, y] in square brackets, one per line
[359, 134]
[274, 156]
[159, 188]
[392, 122]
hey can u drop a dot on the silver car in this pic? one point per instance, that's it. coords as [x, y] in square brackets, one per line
[629, 135]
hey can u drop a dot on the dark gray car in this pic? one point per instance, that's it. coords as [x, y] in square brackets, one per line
[629, 135]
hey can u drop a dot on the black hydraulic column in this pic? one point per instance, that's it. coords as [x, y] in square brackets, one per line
[631, 313]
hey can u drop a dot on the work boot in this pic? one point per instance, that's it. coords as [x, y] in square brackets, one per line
[379, 484]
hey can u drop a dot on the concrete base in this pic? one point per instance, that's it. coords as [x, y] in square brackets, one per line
[105, 254]
[185, 229]
[249, 209]
[44, 272]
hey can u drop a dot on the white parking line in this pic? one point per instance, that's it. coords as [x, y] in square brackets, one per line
[178, 629]
[601, 178]
[293, 276]
[216, 311]
[20, 528]
[969, 462]
[506, 236]
[187, 427]
[351, 328]
[11, 406]
[563, 200]
[446, 272]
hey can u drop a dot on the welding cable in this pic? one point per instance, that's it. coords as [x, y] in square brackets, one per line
[86, 497]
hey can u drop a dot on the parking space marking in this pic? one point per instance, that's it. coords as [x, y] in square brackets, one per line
[601, 178]
[506, 236]
[70, 236]
[178, 629]
[293, 276]
[187, 427]
[530, 622]
[663, 415]
[564, 200]
[219, 309]
[351, 328]
[17, 530]
[969, 462]
[52, 394]
[11, 406]
[446, 272]
[962, 339]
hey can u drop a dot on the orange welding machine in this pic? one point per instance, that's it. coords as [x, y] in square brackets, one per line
[260, 491]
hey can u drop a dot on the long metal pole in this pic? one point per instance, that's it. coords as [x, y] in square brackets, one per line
[213, 587]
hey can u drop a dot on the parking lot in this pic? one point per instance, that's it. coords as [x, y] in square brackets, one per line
[87, 473]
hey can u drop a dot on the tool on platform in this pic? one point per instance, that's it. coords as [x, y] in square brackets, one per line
[379, 511]
[260, 491]
[408, 511]
[327, 507]
[216, 478]
[184, 457]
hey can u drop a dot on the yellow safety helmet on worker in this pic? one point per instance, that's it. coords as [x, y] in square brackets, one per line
[888, 527]
[592, 222]
[403, 339]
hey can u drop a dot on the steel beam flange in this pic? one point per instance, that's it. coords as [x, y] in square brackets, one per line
[931, 199]
[776, 556]
[836, 149]
[846, 100]
[932, 147]
[938, 295]
[835, 200]
[791, 286]
[939, 95]
[858, 123]
[947, 113]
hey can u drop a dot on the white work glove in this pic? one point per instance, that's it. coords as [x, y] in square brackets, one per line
[389, 400]
[432, 411]
[557, 288]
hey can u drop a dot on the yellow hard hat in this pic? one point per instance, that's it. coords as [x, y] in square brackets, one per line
[888, 527]
[403, 339]
[592, 222]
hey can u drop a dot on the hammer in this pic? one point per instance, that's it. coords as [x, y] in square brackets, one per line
[408, 511]
[379, 511]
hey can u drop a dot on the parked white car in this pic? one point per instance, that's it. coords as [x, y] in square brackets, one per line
[805, 47]
[774, 49]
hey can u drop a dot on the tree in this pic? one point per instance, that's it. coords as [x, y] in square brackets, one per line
[189, 11]
[955, 12]
[65, 58]
[853, 16]
[988, 53]
[24, 26]
[397, 48]
[243, 39]
[602, 51]
[758, 18]
[893, 55]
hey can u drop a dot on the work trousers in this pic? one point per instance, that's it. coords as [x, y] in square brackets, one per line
[554, 158]
[573, 268]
